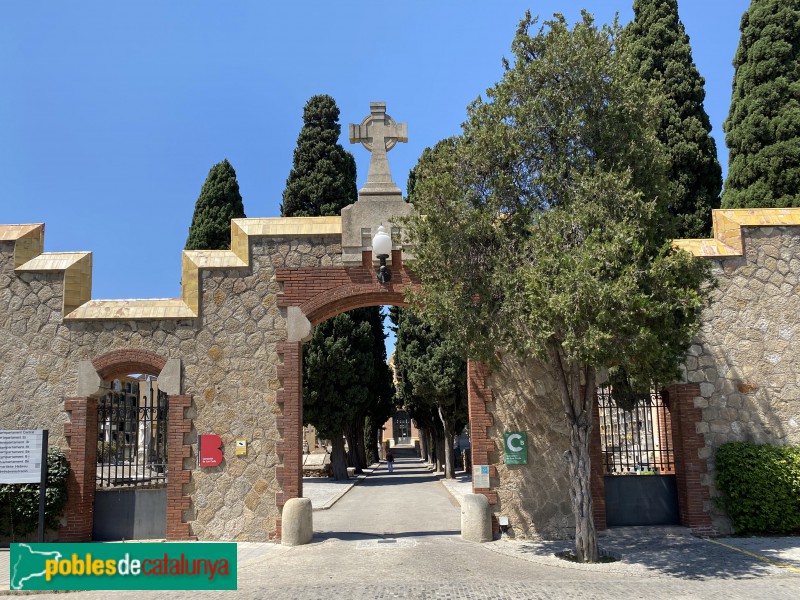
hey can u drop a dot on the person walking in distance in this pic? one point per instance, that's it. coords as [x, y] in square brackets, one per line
[390, 461]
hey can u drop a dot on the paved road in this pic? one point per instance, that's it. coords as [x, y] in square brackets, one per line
[395, 536]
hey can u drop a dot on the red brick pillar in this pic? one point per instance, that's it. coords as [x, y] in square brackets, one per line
[81, 434]
[482, 446]
[690, 469]
[290, 424]
[597, 484]
[177, 475]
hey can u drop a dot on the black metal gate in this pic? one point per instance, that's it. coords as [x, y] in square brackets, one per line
[638, 462]
[130, 499]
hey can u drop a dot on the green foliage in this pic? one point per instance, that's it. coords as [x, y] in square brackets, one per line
[322, 182]
[660, 52]
[431, 372]
[760, 487]
[546, 230]
[339, 370]
[19, 503]
[763, 125]
[565, 251]
[323, 176]
[218, 203]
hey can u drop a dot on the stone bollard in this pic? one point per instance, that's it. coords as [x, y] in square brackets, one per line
[297, 526]
[476, 520]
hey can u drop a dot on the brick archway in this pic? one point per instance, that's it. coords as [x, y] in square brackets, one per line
[123, 362]
[81, 433]
[321, 294]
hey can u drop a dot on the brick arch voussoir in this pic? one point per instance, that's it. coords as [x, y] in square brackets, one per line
[124, 362]
[348, 297]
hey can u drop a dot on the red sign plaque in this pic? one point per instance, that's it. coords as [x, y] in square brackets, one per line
[210, 450]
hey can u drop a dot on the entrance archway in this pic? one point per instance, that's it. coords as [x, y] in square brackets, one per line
[82, 434]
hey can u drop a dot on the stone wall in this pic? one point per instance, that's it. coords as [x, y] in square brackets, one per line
[534, 496]
[743, 373]
[230, 369]
[747, 356]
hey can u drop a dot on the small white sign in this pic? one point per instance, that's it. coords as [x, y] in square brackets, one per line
[21, 456]
[480, 476]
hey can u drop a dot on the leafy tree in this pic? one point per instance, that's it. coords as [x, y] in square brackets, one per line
[763, 125]
[382, 404]
[218, 203]
[337, 376]
[432, 380]
[661, 54]
[322, 182]
[549, 208]
[323, 176]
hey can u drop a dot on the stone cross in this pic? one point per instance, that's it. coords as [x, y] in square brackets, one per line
[378, 133]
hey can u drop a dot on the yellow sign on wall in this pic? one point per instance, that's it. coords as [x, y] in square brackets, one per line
[241, 447]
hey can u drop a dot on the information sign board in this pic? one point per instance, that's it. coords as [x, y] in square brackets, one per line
[21, 456]
[480, 476]
[516, 447]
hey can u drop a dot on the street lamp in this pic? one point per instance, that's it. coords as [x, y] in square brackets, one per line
[381, 249]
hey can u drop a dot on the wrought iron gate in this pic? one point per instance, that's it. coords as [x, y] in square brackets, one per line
[638, 461]
[132, 440]
[131, 495]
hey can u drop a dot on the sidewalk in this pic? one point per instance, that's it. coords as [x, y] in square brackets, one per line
[324, 492]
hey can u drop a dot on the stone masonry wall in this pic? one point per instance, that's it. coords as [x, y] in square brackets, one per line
[747, 356]
[534, 496]
[745, 363]
[230, 368]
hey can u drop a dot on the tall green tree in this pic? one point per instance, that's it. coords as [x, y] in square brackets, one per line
[549, 208]
[323, 181]
[763, 125]
[432, 380]
[323, 176]
[338, 372]
[661, 53]
[218, 203]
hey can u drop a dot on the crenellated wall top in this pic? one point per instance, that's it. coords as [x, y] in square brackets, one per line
[77, 266]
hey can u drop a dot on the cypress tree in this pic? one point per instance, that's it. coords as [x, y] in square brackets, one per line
[763, 125]
[218, 203]
[661, 54]
[322, 182]
[323, 177]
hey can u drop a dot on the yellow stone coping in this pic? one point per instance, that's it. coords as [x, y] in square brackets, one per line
[168, 308]
[77, 266]
[728, 223]
[29, 241]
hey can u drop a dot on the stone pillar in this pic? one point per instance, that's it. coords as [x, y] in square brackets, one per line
[297, 522]
[476, 521]
[290, 423]
[597, 484]
[81, 434]
[178, 426]
[690, 469]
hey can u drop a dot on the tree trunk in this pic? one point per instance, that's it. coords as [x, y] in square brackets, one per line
[577, 401]
[432, 448]
[338, 458]
[351, 434]
[361, 454]
[440, 451]
[423, 443]
[449, 463]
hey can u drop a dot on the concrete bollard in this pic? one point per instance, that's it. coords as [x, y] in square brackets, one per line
[297, 525]
[476, 520]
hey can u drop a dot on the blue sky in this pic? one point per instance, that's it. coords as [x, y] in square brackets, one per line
[112, 113]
